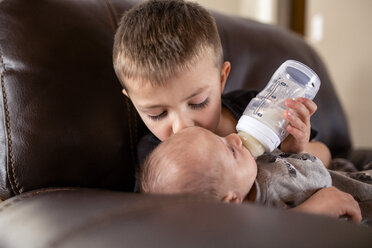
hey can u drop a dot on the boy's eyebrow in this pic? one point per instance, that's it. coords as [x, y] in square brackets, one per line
[195, 93]
[151, 106]
[162, 105]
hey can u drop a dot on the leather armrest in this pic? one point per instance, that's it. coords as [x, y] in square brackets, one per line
[71, 217]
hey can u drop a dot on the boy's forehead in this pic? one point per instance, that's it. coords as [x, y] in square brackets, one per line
[194, 68]
[137, 83]
[144, 92]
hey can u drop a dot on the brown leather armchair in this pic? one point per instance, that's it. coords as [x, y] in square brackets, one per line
[68, 138]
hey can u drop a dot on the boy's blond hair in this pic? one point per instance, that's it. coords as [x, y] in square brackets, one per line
[160, 38]
[174, 167]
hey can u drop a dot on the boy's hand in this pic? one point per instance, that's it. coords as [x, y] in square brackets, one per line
[332, 202]
[298, 115]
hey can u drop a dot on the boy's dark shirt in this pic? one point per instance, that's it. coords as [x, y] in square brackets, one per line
[235, 101]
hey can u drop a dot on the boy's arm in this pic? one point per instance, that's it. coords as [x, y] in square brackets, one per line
[332, 202]
[319, 150]
[299, 128]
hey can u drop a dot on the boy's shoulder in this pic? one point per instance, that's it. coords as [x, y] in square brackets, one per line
[236, 101]
[240, 94]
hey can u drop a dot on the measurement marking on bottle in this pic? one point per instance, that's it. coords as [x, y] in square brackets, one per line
[283, 132]
[269, 95]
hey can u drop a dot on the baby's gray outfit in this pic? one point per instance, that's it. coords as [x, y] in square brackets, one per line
[286, 180]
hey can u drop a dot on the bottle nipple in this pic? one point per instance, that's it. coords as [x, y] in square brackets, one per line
[252, 144]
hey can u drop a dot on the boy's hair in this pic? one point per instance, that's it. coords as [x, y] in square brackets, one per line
[160, 38]
[173, 168]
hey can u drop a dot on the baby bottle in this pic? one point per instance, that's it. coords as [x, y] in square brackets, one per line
[262, 127]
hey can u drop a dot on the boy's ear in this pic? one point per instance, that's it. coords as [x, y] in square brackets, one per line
[225, 71]
[232, 197]
[125, 92]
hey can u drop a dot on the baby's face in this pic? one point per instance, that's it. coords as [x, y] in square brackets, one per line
[192, 98]
[240, 168]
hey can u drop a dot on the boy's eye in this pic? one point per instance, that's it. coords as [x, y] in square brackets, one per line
[232, 150]
[200, 105]
[158, 117]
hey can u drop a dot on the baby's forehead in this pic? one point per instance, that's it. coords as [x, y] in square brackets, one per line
[196, 144]
[197, 138]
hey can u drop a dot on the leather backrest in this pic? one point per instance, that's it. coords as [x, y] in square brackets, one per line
[64, 120]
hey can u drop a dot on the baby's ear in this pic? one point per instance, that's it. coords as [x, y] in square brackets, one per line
[232, 197]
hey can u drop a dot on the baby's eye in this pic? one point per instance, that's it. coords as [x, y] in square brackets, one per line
[158, 117]
[201, 105]
[232, 150]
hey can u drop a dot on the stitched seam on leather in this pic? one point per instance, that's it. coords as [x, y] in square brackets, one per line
[9, 203]
[115, 13]
[133, 147]
[135, 130]
[130, 129]
[8, 130]
[226, 38]
[114, 17]
[109, 15]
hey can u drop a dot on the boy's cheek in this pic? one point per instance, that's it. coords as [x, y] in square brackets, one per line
[209, 119]
[154, 128]
[158, 131]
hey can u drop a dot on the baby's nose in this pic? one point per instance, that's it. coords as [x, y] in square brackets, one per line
[234, 139]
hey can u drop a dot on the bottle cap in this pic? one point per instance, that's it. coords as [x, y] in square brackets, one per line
[298, 75]
[264, 134]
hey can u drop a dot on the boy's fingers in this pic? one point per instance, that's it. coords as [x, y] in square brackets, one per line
[299, 108]
[355, 214]
[333, 202]
[295, 121]
[309, 104]
[295, 132]
[352, 209]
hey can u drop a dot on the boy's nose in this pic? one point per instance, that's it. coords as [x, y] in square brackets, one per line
[234, 139]
[180, 123]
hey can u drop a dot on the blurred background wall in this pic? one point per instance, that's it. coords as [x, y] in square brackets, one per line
[340, 31]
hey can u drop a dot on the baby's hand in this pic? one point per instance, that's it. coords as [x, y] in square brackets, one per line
[298, 116]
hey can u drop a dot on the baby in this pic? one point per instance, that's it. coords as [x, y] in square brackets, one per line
[197, 161]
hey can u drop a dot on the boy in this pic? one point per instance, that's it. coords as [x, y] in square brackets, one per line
[196, 161]
[168, 58]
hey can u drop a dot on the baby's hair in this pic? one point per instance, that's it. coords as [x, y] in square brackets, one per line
[160, 38]
[174, 168]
